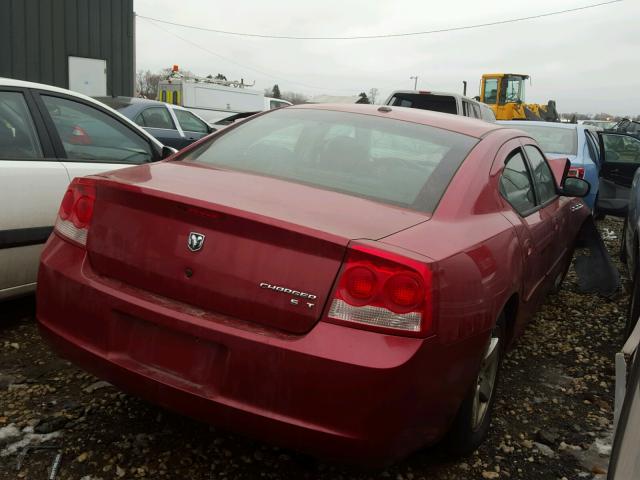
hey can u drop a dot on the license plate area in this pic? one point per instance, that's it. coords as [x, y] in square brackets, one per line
[171, 357]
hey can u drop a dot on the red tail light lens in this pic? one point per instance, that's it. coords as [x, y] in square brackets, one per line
[404, 290]
[576, 172]
[382, 291]
[76, 211]
[66, 205]
[360, 283]
[84, 211]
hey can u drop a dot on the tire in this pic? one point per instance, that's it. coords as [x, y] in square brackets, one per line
[623, 251]
[557, 284]
[634, 304]
[471, 425]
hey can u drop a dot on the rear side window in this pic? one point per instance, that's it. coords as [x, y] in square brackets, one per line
[425, 101]
[189, 122]
[543, 179]
[394, 162]
[155, 117]
[516, 185]
[87, 134]
[18, 138]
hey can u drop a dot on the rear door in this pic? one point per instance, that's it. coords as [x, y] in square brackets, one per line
[553, 208]
[158, 121]
[620, 158]
[532, 223]
[193, 127]
[32, 183]
[90, 140]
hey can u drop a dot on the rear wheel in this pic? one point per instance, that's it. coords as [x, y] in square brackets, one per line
[471, 425]
[557, 283]
[623, 242]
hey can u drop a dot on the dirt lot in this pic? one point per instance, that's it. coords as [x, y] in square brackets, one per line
[555, 404]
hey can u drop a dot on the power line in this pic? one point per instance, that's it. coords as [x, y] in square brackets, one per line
[388, 35]
[248, 67]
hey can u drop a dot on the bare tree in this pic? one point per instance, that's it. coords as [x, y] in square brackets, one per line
[147, 83]
[294, 97]
[373, 95]
[363, 98]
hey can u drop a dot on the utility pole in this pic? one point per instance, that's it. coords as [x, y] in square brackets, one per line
[415, 82]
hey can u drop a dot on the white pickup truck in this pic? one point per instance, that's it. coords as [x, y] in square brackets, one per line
[444, 102]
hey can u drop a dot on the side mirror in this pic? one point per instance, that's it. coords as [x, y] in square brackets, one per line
[575, 187]
[168, 151]
[211, 129]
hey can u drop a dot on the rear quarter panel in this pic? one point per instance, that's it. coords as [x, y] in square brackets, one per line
[477, 256]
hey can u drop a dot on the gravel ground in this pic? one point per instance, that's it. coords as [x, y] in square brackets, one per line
[552, 419]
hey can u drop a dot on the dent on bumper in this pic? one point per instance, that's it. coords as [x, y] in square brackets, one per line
[336, 391]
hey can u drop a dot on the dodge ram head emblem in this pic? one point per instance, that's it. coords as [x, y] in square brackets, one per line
[195, 241]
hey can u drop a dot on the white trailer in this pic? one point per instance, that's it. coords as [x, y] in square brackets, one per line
[213, 99]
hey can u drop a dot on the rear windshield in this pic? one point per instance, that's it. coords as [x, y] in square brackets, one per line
[387, 160]
[552, 139]
[436, 103]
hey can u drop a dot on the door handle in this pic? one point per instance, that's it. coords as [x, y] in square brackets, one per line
[527, 248]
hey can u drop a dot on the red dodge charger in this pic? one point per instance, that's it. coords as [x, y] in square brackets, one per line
[339, 279]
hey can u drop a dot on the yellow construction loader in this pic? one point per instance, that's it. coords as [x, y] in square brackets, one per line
[504, 93]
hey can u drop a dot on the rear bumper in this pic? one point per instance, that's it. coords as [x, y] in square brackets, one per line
[335, 392]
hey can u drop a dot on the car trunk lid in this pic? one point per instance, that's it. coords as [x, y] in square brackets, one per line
[270, 249]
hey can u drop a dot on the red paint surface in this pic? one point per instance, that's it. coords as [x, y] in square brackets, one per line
[217, 347]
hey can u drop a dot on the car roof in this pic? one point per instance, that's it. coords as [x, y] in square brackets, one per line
[120, 102]
[12, 82]
[541, 123]
[431, 92]
[567, 126]
[457, 123]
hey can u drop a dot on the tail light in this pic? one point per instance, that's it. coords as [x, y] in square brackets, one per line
[79, 136]
[382, 291]
[76, 211]
[576, 172]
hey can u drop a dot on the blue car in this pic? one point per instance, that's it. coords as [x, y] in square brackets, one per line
[578, 143]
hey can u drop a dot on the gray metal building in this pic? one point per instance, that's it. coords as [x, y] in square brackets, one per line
[83, 45]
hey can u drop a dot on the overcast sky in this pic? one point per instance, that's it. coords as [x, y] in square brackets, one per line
[588, 61]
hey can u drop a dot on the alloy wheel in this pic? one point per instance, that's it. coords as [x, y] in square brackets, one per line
[486, 381]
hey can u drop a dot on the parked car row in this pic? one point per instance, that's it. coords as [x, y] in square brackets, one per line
[172, 125]
[607, 160]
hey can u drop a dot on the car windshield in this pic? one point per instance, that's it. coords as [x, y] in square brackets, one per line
[553, 139]
[391, 161]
